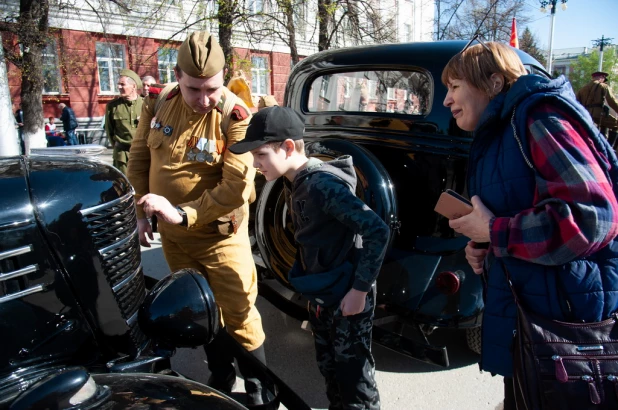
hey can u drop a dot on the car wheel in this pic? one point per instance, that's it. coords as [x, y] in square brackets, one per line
[473, 336]
[273, 226]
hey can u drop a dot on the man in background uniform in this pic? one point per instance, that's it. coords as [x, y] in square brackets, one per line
[184, 174]
[122, 117]
[147, 82]
[597, 98]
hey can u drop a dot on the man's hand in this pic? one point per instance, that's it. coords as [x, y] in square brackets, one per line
[144, 228]
[353, 302]
[475, 225]
[161, 207]
[476, 257]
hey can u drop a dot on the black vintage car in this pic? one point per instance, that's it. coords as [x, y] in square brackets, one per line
[383, 105]
[79, 329]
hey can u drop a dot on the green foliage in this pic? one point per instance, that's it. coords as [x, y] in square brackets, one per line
[528, 43]
[588, 64]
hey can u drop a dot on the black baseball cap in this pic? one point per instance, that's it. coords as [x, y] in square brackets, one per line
[271, 124]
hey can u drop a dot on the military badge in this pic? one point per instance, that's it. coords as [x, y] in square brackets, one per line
[157, 125]
[153, 122]
[192, 141]
[201, 157]
[167, 130]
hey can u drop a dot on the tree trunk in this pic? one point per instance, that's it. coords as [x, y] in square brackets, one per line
[8, 133]
[289, 14]
[33, 30]
[324, 20]
[225, 16]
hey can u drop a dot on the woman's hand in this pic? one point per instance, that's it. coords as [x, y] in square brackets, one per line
[475, 225]
[353, 302]
[476, 256]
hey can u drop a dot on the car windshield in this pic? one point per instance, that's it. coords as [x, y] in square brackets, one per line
[403, 92]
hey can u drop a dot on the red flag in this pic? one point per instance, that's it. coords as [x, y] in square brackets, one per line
[514, 40]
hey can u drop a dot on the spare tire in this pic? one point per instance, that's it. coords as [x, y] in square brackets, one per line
[273, 226]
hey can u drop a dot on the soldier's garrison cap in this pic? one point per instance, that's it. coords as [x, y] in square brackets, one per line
[133, 76]
[200, 55]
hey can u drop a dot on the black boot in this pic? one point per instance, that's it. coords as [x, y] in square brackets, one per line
[220, 364]
[256, 393]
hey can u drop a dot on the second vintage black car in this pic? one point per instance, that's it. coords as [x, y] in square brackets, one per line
[383, 106]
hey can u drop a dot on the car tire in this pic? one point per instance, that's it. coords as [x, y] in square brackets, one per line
[473, 337]
[273, 227]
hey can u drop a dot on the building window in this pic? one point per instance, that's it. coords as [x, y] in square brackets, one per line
[255, 6]
[110, 60]
[259, 75]
[300, 19]
[51, 74]
[407, 32]
[167, 61]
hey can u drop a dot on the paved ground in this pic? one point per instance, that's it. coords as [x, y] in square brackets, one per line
[404, 383]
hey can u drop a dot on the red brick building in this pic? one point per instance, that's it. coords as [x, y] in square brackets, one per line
[80, 69]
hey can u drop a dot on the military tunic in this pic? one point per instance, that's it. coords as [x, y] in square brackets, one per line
[593, 96]
[121, 121]
[209, 192]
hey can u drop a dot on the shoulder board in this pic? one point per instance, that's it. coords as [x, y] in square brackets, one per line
[240, 113]
[173, 93]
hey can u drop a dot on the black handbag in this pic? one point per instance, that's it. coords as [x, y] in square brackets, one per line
[564, 365]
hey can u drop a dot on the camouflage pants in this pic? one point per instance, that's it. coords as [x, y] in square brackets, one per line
[343, 353]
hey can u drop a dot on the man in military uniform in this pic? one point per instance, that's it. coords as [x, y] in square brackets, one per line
[122, 117]
[147, 82]
[184, 174]
[597, 98]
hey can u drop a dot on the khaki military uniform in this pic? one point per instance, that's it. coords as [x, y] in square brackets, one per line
[121, 121]
[594, 96]
[213, 193]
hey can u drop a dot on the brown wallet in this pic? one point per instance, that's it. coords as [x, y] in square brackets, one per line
[452, 205]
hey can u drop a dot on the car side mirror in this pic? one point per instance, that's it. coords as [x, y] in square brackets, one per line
[180, 310]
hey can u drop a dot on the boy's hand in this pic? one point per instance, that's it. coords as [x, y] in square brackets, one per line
[353, 302]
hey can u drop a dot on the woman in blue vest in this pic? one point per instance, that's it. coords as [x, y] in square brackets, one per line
[543, 184]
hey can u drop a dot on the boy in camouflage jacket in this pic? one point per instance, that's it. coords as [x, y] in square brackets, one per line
[332, 227]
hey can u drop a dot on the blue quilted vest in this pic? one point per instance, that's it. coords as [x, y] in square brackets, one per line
[501, 176]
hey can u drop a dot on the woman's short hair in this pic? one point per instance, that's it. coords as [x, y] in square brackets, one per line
[477, 63]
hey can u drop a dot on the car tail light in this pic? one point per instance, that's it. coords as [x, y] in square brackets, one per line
[449, 282]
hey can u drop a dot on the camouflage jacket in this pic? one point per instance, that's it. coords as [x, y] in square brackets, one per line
[329, 221]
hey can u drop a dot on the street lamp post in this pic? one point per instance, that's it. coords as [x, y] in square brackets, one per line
[601, 42]
[552, 8]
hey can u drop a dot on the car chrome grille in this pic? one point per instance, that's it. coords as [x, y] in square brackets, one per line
[15, 272]
[113, 228]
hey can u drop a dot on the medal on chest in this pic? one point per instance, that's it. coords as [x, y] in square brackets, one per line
[201, 149]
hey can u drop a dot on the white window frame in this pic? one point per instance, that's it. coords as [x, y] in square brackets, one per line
[407, 31]
[166, 61]
[50, 65]
[257, 72]
[114, 64]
